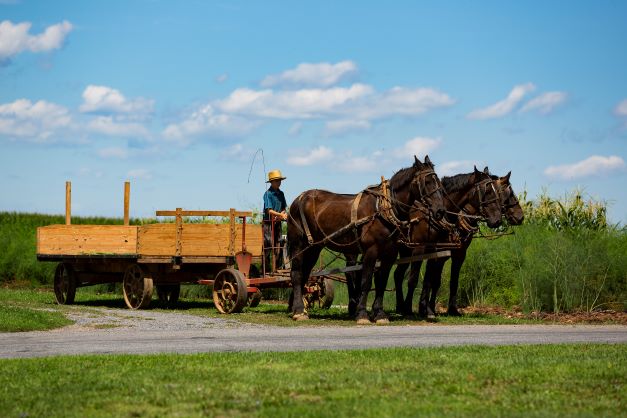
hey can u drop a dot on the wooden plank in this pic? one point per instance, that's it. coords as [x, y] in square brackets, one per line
[154, 260]
[68, 202]
[422, 257]
[197, 240]
[208, 260]
[223, 213]
[232, 230]
[127, 199]
[179, 231]
[336, 270]
[86, 239]
[156, 240]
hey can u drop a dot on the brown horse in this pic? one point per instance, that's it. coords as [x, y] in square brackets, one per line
[367, 223]
[470, 198]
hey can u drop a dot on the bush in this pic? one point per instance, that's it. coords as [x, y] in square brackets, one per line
[564, 257]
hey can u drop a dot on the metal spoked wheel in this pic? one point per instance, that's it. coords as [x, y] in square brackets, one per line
[137, 286]
[322, 293]
[230, 293]
[168, 293]
[64, 284]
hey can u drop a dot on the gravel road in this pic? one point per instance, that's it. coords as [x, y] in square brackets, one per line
[109, 331]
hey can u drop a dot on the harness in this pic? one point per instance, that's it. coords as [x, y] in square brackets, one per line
[385, 208]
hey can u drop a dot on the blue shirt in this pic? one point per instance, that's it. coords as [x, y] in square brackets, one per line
[275, 200]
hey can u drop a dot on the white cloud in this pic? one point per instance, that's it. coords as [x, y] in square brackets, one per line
[15, 38]
[505, 106]
[451, 168]
[222, 78]
[317, 155]
[297, 104]
[108, 100]
[205, 122]
[340, 127]
[140, 174]
[351, 164]
[113, 152]
[402, 101]
[108, 126]
[237, 152]
[621, 109]
[357, 102]
[591, 166]
[546, 102]
[35, 121]
[419, 146]
[321, 74]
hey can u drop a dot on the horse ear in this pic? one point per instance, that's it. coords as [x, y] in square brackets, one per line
[428, 161]
[506, 178]
[486, 170]
[417, 162]
[476, 171]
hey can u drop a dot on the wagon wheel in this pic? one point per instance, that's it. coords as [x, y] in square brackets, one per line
[328, 292]
[168, 293]
[230, 293]
[64, 284]
[137, 285]
[323, 293]
[254, 299]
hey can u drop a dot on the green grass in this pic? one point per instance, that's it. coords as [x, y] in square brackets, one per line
[16, 318]
[530, 381]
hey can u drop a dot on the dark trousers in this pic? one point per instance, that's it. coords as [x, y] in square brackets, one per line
[270, 241]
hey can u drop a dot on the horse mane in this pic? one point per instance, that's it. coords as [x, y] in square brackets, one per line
[456, 183]
[402, 177]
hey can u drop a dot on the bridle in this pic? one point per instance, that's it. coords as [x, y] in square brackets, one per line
[481, 190]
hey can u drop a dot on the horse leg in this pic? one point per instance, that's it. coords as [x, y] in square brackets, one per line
[399, 277]
[430, 287]
[412, 283]
[456, 265]
[351, 284]
[436, 281]
[368, 260]
[381, 281]
[301, 268]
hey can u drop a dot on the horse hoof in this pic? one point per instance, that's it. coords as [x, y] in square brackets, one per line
[382, 321]
[363, 321]
[300, 317]
[453, 312]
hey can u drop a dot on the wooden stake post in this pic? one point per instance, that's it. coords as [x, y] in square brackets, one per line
[68, 202]
[127, 199]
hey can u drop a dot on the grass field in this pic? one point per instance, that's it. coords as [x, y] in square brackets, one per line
[563, 380]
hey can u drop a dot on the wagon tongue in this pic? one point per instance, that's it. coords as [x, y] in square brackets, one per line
[244, 259]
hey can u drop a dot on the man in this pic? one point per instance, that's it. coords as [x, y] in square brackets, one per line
[274, 206]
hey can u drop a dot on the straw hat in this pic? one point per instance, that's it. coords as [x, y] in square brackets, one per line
[275, 175]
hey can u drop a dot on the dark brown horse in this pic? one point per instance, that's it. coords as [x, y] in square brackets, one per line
[367, 223]
[470, 198]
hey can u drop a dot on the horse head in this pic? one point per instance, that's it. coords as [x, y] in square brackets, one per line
[427, 187]
[484, 198]
[510, 207]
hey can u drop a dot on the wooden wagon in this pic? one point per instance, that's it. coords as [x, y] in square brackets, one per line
[164, 255]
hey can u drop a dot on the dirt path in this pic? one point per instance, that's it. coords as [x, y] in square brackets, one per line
[110, 331]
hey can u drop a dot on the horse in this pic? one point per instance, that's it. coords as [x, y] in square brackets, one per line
[365, 223]
[470, 197]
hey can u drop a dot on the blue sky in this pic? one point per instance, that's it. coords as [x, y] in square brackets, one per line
[177, 96]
